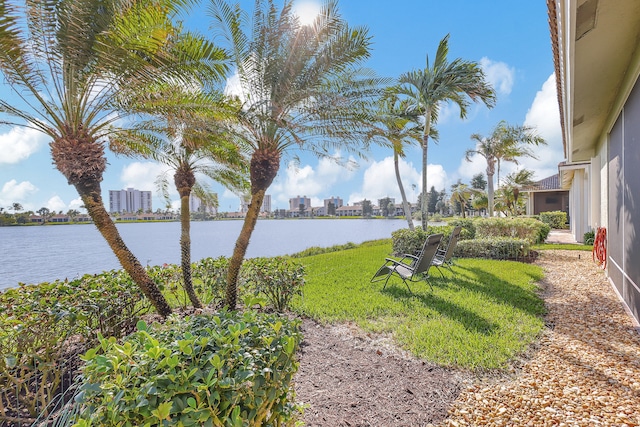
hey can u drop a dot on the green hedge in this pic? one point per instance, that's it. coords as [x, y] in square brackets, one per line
[42, 325]
[555, 219]
[229, 369]
[405, 241]
[530, 229]
[493, 248]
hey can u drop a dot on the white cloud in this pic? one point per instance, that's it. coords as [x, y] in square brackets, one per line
[14, 192]
[142, 176]
[20, 143]
[467, 170]
[76, 204]
[380, 181]
[499, 74]
[55, 204]
[316, 183]
[544, 116]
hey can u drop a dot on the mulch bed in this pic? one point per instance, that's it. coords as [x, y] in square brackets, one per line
[348, 378]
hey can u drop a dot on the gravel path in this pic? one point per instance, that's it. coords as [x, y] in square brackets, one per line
[586, 371]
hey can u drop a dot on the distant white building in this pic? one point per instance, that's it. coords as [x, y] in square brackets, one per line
[129, 200]
[266, 204]
[195, 203]
[296, 202]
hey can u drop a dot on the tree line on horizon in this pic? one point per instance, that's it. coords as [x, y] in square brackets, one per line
[128, 77]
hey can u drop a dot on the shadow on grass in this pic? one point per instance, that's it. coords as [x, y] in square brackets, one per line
[478, 280]
[467, 318]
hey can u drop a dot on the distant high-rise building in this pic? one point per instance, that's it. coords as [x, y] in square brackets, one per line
[130, 200]
[195, 204]
[266, 204]
[335, 201]
[296, 202]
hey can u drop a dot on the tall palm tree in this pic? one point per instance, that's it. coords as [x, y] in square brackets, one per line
[301, 87]
[509, 194]
[461, 193]
[68, 62]
[507, 143]
[458, 81]
[192, 159]
[398, 126]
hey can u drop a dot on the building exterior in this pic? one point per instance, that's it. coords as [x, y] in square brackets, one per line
[546, 195]
[129, 200]
[266, 204]
[296, 203]
[331, 204]
[597, 64]
[195, 204]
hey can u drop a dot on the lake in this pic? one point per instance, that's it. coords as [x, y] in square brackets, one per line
[37, 254]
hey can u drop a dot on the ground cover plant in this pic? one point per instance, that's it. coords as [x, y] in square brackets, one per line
[480, 317]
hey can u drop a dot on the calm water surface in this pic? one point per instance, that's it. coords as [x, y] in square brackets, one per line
[44, 253]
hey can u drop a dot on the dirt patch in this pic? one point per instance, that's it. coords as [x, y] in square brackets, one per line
[348, 378]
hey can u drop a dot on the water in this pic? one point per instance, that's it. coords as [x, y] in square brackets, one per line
[44, 253]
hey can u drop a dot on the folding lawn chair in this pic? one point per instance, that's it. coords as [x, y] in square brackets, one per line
[410, 267]
[443, 256]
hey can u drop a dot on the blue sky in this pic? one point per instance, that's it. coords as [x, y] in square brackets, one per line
[509, 39]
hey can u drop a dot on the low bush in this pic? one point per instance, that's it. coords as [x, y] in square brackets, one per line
[44, 326]
[530, 229]
[554, 219]
[210, 278]
[231, 369]
[406, 241]
[493, 248]
[468, 227]
[589, 237]
[277, 278]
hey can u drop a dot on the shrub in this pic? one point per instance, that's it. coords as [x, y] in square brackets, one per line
[405, 241]
[210, 278]
[555, 219]
[529, 229]
[277, 278]
[468, 228]
[230, 369]
[44, 326]
[493, 248]
[589, 237]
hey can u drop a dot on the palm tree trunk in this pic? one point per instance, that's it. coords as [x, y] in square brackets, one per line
[240, 249]
[92, 199]
[425, 149]
[490, 193]
[405, 204]
[185, 249]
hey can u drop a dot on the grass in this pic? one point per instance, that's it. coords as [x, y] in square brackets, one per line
[566, 246]
[479, 317]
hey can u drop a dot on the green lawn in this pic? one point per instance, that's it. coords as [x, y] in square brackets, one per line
[481, 317]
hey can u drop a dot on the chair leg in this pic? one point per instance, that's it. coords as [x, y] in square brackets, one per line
[440, 271]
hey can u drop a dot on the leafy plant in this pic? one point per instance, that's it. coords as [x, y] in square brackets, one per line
[231, 369]
[210, 276]
[277, 278]
[555, 219]
[494, 248]
[44, 326]
[519, 228]
[589, 237]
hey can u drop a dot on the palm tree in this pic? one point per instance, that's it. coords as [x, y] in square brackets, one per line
[507, 143]
[458, 81]
[192, 158]
[301, 87]
[17, 207]
[68, 63]
[509, 194]
[398, 126]
[461, 193]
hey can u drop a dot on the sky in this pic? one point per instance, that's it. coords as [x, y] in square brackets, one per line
[510, 40]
